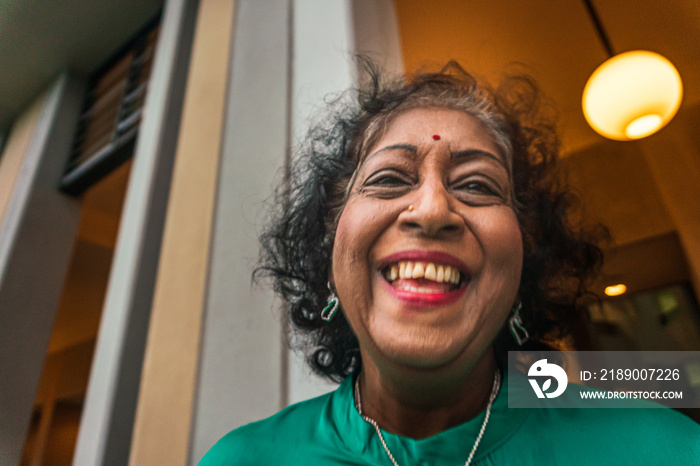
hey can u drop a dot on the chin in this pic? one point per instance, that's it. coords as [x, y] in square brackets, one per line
[422, 351]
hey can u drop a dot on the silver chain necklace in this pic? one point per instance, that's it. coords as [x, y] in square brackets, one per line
[494, 393]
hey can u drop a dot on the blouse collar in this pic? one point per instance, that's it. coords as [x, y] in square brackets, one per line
[453, 444]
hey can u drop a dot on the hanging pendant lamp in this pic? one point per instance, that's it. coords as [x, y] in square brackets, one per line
[631, 95]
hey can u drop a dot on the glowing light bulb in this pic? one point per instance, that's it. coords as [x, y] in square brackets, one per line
[644, 126]
[615, 290]
[632, 95]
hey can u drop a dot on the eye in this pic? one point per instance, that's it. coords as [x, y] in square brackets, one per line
[477, 190]
[387, 180]
[479, 187]
[387, 183]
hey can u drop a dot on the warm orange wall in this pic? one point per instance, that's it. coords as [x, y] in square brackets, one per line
[619, 190]
[673, 155]
[79, 310]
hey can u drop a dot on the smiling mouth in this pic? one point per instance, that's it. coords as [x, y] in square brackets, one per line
[424, 277]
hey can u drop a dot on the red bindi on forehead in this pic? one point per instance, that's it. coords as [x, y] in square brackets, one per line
[436, 137]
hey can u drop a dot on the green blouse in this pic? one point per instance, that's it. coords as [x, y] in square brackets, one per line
[329, 430]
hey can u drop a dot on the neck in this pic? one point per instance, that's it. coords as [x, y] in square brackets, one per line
[419, 403]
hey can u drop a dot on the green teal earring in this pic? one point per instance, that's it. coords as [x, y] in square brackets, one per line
[332, 307]
[517, 329]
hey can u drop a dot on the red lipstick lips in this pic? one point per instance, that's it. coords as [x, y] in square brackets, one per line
[425, 299]
[432, 293]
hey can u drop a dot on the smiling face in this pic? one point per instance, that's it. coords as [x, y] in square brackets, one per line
[429, 286]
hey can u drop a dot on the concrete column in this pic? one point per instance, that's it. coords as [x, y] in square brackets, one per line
[165, 406]
[110, 405]
[36, 239]
[376, 33]
[241, 358]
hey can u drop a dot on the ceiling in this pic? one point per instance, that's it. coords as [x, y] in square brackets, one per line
[554, 41]
[39, 38]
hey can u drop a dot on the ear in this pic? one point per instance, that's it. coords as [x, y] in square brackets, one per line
[331, 279]
[517, 303]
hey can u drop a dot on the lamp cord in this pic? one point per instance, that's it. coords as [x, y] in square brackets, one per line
[599, 27]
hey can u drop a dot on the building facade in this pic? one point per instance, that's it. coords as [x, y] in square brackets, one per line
[182, 347]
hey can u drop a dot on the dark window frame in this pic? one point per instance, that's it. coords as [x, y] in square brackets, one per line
[109, 123]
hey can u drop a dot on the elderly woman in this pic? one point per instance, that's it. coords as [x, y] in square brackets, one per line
[426, 233]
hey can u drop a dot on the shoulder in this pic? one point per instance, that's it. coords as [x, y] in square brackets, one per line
[573, 429]
[289, 430]
[638, 419]
[639, 435]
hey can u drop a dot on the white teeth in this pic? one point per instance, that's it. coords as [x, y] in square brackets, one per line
[408, 273]
[393, 273]
[427, 270]
[418, 271]
[417, 289]
[430, 272]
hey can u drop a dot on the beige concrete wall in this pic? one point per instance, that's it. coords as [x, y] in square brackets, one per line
[162, 427]
[15, 148]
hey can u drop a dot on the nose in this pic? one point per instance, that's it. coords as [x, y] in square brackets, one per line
[432, 214]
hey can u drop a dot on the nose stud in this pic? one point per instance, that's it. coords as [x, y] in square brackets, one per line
[410, 208]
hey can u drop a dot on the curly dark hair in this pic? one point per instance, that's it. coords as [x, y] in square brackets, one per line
[560, 257]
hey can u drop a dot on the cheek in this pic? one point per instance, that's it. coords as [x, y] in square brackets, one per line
[360, 226]
[350, 267]
[341, 249]
[504, 246]
[350, 245]
[363, 224]
[512, 239]
[511, 251]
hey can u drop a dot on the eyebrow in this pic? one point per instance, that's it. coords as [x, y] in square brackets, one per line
[462, 154]
[470, 153]
[404, 146]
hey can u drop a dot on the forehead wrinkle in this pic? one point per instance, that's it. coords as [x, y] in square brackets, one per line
[405, 146]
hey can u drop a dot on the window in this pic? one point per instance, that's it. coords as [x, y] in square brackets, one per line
[109, 124]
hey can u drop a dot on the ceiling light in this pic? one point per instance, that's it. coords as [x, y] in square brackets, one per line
[615, 290]
[631, 95]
